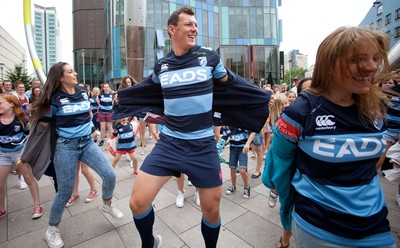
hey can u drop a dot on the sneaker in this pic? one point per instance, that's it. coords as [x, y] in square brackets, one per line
[72, 200]
[157, 241]
[131, 164]
[190, 183]
[37, 212]
[230, 190]
[53, 237]
[143, 151]
[111, 210]
[13, 172]
[197, 198]
[101, 143]
[91, 196]
[246, 193]
[180, 199]
[398, 200]
[21, 183]
[3, 213]
[272, 199]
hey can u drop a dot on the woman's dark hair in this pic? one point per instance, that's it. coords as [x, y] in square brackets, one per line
[124, 84]
[52, 85]
[300, 84]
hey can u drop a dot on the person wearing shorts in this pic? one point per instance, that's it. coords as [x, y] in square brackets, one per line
[187, 142]
[104, 115]
[239, 140]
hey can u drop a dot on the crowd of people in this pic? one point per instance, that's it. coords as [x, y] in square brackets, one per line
[310, 138]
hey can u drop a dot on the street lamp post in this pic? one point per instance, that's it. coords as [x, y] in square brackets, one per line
[83, 66]
[1, 68]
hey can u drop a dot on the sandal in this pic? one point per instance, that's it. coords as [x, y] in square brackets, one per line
[281, 245]
[253, 156]
[256, 176]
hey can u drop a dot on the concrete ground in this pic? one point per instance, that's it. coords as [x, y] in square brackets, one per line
[245, 222]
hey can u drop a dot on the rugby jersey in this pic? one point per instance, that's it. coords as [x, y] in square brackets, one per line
[187, 87]
[393, 111]
[94, 105]
[72, 114]
[330, 157]
[126, 137]
[238, 137]
[12, 136]
[106, 102]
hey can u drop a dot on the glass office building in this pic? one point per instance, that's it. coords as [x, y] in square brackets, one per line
[246, 34]
[47, 36]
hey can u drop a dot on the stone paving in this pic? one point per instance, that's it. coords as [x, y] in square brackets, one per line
[245, 222]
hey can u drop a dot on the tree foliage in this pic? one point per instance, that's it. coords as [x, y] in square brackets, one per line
[292, 73]
[19, 73]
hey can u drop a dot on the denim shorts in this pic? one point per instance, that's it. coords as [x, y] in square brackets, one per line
[198, 159]
[8, 158]
[237, 156]
[258, 139]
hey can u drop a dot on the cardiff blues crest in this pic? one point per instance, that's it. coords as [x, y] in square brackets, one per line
[202, 61]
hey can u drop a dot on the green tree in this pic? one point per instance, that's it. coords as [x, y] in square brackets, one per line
[292, 73]
[19, 73]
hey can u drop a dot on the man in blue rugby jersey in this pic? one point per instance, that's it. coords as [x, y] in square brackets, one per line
[187, 144]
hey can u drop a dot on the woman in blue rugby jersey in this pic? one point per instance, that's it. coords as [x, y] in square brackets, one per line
[326, 144]
[68, 104]
[13, 133]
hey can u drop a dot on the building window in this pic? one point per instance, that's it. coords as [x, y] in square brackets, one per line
[397, 32]
[380, 9]
[371, 25]
[379, 24]
[388, 19]
[397, 15]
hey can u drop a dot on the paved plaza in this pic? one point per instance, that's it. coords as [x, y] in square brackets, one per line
[245, 222]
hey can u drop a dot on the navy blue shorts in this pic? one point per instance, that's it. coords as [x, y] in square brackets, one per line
[198, 159]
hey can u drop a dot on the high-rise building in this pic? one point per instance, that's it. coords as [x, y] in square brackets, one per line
[385, 15]
[11, 53]
[245, 33]
[47, 36]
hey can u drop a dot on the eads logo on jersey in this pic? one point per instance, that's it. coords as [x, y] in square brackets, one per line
[325, 122]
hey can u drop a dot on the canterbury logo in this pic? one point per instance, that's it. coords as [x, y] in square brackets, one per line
[324, 120]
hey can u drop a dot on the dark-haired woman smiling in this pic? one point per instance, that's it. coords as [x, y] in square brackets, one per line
[68, 104]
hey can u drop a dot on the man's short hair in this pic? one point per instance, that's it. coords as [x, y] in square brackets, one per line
[174, 17]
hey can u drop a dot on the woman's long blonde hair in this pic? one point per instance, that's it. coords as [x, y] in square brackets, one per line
[280, 99]
[343, 44]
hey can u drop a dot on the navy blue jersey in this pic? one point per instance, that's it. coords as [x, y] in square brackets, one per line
[12, 136]
[338, 189]
[106, 102]
[72, 114]
[238, 136]
[224, 131]
[187, 87]
[126, 137]
[393, 111]
[94, 105]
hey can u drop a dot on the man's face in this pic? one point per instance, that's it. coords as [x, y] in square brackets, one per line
[7, 86]
[185, 32]
[36, 83]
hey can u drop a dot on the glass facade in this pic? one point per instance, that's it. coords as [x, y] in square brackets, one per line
[243, 32]
[47, 36]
